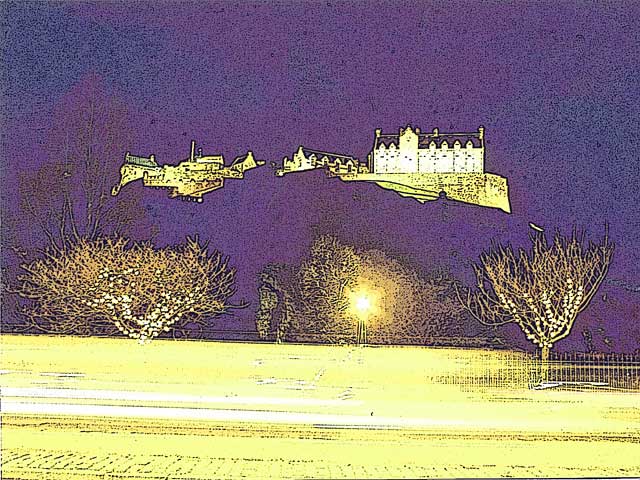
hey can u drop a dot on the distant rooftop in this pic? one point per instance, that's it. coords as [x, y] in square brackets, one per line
[331, 156]
[141, 161]
[425, 139]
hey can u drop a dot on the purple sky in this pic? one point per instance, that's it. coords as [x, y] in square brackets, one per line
[556, 85]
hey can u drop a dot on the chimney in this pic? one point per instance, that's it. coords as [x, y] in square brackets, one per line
[417, 130]
[378, 132]
[193, 150]
[481, 132]
[436, 132]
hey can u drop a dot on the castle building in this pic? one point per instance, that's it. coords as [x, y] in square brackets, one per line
[308, 159]
[190, 179]
[416, 165]
[411, 151]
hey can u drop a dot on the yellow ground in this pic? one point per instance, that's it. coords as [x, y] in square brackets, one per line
[228, 410]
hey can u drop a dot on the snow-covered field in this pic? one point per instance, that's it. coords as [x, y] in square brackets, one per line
[86, 408]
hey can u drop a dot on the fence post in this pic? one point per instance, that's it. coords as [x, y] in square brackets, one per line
[626, 377]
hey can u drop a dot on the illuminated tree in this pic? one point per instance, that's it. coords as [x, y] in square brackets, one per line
[338, 291]
[411, 308]
[137, 290]
[543, 290]
[324, 281]
[309, 302]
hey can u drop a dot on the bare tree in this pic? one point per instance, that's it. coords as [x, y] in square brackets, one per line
[543, 290]
[67, 198]
[107, 285]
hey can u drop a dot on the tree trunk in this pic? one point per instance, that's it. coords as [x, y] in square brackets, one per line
[544, 364]
[544, 355]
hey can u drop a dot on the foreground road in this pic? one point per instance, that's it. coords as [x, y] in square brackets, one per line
[93, 447]
[97, 409]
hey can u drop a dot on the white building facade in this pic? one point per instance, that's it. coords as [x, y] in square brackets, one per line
[411, 151]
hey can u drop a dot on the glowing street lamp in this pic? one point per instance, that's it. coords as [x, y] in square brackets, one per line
[362, 305]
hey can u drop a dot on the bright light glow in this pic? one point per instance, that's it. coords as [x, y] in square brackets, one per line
[363, 303]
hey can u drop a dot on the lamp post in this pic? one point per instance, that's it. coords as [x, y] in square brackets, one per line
[362, 307]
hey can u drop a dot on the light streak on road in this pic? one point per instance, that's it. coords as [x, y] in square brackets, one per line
[240, 415]
[64, 393]
[88, 403]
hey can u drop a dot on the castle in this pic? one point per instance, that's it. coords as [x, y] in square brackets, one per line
[422, 166]
[190, 179]
[408, 151]
[411, 151]
[416, 165]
